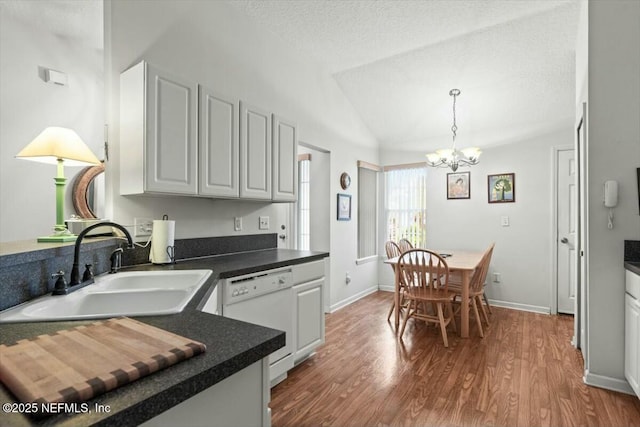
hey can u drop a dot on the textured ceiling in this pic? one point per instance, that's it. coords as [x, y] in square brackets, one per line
[77, 20]
[513, 60]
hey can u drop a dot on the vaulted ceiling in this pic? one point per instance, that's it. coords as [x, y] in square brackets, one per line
[396, 60]
[513, 60]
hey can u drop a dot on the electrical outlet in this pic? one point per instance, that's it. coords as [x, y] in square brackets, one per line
[496, 277]
[263, 223]
[237, 223]
[142, 227]
[504, 221]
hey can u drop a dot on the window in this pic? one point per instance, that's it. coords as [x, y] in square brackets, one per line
[367, 210]
[405, 203]
[304, 233]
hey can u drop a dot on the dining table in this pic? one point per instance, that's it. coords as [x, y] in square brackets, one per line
[458, 261]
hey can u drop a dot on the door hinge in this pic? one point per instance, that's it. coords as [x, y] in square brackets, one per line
[106, 142]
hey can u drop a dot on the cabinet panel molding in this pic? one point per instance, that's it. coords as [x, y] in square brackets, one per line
[218, 144]
[285, 160]
[255, 152]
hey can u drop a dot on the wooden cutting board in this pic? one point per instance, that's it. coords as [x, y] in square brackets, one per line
[77, 364]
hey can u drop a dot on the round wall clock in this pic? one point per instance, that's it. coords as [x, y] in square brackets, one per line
[345, 180]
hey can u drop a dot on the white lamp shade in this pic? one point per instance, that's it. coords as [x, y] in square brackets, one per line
[59, 143]
[447, 154]
[472, 152]
[433, 157]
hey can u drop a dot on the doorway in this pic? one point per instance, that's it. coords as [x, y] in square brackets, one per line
[311, 214]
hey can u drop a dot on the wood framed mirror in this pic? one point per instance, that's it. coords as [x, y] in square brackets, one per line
[84, 191]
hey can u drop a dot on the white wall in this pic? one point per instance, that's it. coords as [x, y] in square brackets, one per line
[211, 43]
[613, 153]
[523, 250]
[28, 105]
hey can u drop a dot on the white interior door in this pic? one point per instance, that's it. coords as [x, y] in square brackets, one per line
[566, 233]
[581, 314]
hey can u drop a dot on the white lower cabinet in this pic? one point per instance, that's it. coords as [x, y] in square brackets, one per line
[240, 400]
[308, 292]
[632, 332]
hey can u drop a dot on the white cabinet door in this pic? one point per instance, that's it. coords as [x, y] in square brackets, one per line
[255, 152]
[158, 150]
[239, 400]
[631, 342]
[218, 144]
[285, 160]
[309, 316]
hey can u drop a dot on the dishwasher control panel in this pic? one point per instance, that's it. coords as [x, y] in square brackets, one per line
[241, 288]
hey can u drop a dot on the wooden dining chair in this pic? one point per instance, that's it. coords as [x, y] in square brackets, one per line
[405, 245]
[476, 288]
[417, 269]
[393, 251]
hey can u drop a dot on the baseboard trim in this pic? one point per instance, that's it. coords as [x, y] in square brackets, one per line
[609, 383]
[497, 303]
[353, 298]
[521, 307]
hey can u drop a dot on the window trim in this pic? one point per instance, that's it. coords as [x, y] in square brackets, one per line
[375, 256]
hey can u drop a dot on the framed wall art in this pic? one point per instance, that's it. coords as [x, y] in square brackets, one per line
[344, 207]
[501, 188]
[458, 185]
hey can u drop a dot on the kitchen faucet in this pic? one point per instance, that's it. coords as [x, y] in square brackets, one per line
[61, 288]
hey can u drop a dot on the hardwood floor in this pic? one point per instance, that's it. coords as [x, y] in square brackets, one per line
[523, 373]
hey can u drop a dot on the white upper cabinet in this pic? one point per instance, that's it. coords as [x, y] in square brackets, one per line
[158, 146]
[180, 138]
[219, 147]
[285, 160]
[255, 152]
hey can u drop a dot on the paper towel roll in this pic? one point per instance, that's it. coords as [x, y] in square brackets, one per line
[162, 237]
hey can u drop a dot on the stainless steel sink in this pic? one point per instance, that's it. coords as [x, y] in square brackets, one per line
[137, 293]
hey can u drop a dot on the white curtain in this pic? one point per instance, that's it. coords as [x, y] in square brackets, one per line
[304, 226]
[405, 205]
[367, 212]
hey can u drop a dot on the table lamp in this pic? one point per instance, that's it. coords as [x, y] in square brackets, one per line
[58, 145]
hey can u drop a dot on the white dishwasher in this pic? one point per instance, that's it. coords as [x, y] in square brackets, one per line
[266, 299]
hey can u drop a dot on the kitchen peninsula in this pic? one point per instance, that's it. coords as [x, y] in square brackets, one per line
[232, 346]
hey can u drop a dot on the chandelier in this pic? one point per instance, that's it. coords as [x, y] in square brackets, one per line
[452, 157]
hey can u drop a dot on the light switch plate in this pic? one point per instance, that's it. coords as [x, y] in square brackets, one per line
[142, 227]
[263, 223]
[504, 221]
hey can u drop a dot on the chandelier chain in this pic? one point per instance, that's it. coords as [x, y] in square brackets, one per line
[454, 128]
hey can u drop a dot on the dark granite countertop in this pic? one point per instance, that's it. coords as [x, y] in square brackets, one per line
[634, 267]
[231, 346]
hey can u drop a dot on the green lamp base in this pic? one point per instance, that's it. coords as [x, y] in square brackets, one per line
[60, 234]
[57, 239]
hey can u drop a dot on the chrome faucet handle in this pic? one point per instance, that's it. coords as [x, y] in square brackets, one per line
[116, 260]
